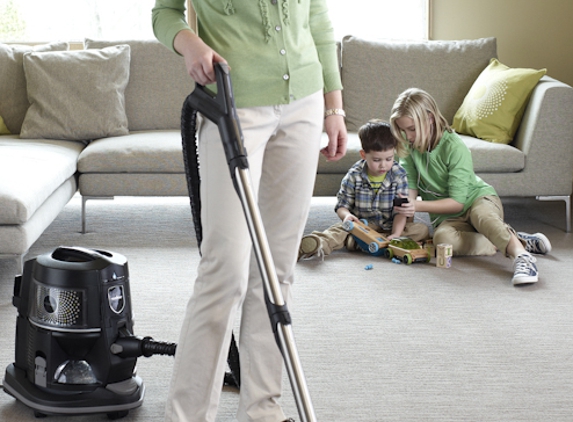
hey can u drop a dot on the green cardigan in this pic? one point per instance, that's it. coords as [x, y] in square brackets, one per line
[446, 172]
[278, 50]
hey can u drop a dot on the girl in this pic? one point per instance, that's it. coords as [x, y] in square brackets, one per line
[465, 211]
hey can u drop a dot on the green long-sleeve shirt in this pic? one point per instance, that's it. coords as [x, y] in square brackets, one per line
[278, 50]
[446, 172]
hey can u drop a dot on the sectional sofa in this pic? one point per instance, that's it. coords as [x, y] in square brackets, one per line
[105, 121]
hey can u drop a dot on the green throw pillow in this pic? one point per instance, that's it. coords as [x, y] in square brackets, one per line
[3, 129]
[493, 108]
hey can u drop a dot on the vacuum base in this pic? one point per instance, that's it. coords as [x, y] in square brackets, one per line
[115, 399]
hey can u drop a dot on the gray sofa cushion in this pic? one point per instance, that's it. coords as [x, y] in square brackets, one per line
[489, 157]
[157, 87]
[30, 171]
[374, 73]
[16, 239]
[138, 152]
[13, 98]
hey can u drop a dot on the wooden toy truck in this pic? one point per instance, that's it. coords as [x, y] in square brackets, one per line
[372, 242]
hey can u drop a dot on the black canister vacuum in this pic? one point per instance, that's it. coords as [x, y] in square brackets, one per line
[75, 348]
[76, 351]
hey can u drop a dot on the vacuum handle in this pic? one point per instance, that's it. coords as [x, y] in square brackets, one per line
[74, 254]
[220, 109]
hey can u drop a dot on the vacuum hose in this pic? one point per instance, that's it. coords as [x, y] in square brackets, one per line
[191, 161]
[134, 347]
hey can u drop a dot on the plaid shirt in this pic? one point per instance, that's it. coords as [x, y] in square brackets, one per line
[357, 195]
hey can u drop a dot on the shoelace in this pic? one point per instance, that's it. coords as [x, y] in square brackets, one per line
[535, 245]
[523, 263]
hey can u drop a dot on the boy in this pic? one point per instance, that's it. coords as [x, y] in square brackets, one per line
[367, 192]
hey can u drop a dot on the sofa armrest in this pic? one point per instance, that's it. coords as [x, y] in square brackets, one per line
[545, 136]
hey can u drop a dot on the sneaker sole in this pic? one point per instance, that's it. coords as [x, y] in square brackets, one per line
[525, 280]
[544, 242]
[309, 245]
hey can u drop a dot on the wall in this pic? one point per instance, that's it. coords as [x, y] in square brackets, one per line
[530, 33]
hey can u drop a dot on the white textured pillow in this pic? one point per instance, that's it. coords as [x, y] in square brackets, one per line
[13, 98]
[76, 95]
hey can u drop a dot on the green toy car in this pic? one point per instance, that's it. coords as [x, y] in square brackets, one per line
[407, 250]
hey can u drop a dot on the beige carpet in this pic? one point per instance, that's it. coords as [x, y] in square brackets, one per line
[395, 343]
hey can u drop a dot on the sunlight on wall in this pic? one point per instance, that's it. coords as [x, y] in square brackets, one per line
[376, 19]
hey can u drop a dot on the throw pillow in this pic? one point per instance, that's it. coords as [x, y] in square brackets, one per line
[493, 108]
[76, 95]
[13, 98]
[3, 129]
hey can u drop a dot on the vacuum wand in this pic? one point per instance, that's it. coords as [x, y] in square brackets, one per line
[220, 109]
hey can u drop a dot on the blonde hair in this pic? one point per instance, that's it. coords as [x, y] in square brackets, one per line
[418, 105]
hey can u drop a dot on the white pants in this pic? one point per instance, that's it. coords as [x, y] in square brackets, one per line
[282, 144]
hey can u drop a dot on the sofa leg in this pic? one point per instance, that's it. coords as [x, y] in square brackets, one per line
[84, 201]
[567, 200]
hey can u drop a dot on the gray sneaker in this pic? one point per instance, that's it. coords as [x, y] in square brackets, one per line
[310, 247]
[535, 243]
[524, 270]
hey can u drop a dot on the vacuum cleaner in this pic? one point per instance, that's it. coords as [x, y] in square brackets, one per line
[220, 108]
[75, 348]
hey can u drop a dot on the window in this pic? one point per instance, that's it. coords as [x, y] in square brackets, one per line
[34, 21]
[376, 19]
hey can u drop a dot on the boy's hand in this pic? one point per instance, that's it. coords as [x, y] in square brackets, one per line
[351, 217]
